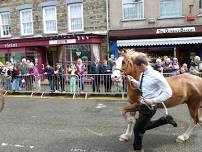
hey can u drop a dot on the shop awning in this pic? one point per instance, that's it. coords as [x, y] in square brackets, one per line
[157, 42]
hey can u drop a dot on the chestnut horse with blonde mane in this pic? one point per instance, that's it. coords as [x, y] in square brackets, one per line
[186, 89]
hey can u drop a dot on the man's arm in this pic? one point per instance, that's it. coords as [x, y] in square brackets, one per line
[134, 83]
[165, 88]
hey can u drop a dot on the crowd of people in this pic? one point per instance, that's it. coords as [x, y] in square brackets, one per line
[26, 73]
[173, 67]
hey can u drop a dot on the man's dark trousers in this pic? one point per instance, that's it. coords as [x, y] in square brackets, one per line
[144, 123]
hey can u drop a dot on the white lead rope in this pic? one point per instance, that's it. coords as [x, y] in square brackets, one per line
[148, 106]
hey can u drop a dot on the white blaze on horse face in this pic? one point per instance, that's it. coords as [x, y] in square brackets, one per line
[116, 75]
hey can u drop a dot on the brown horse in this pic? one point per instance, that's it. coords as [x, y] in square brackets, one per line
[186, 89]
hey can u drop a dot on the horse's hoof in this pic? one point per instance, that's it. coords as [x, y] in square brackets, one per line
[123, 140]
[182, 138]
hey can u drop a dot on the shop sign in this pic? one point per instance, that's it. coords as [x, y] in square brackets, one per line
[10, 45]
[176, 30]
[66, 41]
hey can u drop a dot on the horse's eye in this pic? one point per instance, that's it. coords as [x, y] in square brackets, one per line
[123, 62]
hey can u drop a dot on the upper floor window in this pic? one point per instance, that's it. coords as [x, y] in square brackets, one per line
[133, 9]
[5, 24]
[26, 22]
[75, 17]
[170, 8]
[50, 19]
[200, 6]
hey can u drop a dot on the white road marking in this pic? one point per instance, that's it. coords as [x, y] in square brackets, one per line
[4, 144]
[93, 132]
[20, 146]
[100, 106]
[16, 145]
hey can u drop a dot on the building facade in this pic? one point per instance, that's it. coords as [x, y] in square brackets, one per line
[52, 31]
[157, 27]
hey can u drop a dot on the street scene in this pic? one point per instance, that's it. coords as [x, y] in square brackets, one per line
[74, 72]
[94, 125]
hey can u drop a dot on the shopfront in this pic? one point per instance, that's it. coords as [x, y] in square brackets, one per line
[52, 50]
[180, 42]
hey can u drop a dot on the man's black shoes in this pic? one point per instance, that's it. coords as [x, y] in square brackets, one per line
[171, 121]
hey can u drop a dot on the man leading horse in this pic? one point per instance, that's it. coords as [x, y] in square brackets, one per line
[186, 88]
[154, 89]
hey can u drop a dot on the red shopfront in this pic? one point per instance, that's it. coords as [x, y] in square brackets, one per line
[43, 50]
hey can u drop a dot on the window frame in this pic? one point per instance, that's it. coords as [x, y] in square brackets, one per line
[1, 24]
[127, 19]
[21, 23]
[69, 17]
[175, 16]
[44, 21]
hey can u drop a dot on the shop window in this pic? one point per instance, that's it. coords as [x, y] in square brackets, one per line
[200, 6]
[133, 9]
[75, 17]
[170, 8]
[26, 22]
[5, 24]
[50, 19]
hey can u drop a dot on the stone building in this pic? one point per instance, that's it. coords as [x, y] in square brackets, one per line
[157, 27]
[51, 31]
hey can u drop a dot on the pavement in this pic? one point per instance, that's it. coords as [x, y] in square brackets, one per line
[61, 124]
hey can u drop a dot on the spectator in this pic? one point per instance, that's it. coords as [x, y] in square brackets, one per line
[80, 69]
[35, 77]
[167, 66]
[96, 70]
[6, 71]
[72, 72]
[176, 65]
[23, 70]
[15, 78]
[49, 72]
[111, 61]
[158, 65]
[107, 69]
[59, 78]
[195, 66]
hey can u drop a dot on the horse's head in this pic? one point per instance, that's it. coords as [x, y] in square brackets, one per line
[124, 66]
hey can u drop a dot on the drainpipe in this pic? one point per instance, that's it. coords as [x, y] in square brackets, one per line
[107, 11]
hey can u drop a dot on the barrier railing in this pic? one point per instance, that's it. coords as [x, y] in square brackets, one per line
[87, 84]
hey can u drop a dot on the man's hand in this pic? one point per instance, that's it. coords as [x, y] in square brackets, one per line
[130, 78]
[148, 101]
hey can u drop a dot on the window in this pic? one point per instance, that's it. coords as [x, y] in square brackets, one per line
[133, 9]
[5, 24]
[26, 22]
[75, 17]
[170, 8]
[50, 19]
[200, 6]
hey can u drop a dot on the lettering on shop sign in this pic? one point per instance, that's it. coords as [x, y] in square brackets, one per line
[66, 41]
[10, 45]
[176, 30]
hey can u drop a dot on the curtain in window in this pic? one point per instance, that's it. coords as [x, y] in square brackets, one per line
[76, 14]
[133, 9]
[50, 19]
[6, 24]
[170, 8]
[26, 21]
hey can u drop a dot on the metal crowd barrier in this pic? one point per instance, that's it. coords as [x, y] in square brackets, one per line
[87, 84]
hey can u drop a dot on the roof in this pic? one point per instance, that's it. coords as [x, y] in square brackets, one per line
[162, 41]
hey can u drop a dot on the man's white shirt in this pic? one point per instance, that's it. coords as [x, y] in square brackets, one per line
[154, 86]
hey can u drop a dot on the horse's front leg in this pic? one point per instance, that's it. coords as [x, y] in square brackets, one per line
[185, 136]
[130, 118]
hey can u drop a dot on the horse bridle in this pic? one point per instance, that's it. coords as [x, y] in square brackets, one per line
[123, 71]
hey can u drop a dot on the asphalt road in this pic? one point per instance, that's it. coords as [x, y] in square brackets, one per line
[65, 125]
